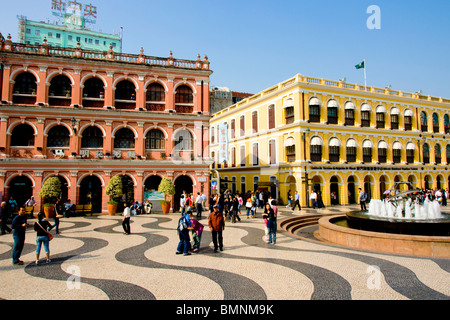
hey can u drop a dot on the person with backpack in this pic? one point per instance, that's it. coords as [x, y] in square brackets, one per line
[184, 223]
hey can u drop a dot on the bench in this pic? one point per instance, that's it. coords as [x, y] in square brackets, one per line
[83, 209]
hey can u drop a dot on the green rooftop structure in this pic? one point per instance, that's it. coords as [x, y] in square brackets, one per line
[68, 34]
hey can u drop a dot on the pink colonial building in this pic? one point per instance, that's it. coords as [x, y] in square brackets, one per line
[86, 116]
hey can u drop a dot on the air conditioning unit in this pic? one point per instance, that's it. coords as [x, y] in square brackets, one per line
[59, 153]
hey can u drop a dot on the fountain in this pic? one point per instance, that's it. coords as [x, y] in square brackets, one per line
[402, 213]
[405, 222]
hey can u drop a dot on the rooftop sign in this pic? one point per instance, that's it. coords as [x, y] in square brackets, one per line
[73, 7]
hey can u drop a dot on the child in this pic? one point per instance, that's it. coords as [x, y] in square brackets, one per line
[197, 230]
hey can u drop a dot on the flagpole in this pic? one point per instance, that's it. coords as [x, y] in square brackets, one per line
[365, 75]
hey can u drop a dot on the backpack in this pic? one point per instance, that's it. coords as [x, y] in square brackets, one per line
[182, 224]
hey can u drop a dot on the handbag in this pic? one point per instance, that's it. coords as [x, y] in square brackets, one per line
[50, 236]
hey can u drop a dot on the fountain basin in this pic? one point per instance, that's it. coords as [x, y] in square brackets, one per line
[423, 227]
[383, 242]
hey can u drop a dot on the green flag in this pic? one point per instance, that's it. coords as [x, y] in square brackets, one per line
[360, 66]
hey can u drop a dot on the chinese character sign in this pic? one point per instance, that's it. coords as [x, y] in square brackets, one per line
[223, 142]
[61, 7]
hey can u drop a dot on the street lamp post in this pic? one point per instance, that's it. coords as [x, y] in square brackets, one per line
[306, 178]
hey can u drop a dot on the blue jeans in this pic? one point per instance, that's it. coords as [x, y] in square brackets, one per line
[19, 241]
[42, 240]
[184, 243]
[273, 233]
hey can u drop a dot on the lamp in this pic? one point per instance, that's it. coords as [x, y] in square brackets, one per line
[74, 124]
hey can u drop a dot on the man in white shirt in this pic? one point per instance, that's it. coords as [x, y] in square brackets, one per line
[313, 199]
[199, 205]
[126, 219]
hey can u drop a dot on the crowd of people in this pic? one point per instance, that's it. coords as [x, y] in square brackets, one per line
[223, 206]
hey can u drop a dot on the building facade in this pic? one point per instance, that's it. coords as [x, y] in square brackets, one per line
[307, 133]
[69, 34]
[87, 116]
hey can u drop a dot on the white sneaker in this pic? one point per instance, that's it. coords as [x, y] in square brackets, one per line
[37, 261]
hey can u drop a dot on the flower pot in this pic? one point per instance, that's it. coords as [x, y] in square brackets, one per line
[165, 207]
[112, 209]
[49, 212]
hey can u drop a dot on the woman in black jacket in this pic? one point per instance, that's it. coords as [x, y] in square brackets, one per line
[42, 236]
[269, 214]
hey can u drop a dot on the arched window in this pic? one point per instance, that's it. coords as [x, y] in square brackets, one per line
[24, 91]
[156, 92]
[410, 150]
[437, 154]
[155, 139]
[408, 119]
[124, 139]
[22, 136]
[334, 150]
[446, 124]
[397, 152]
[332, 112]
[60, 91]
[92, 138]
[380, 115]
[435, 123]
[58, 137]
[349, 113]
[426, 153]
[395, 112]
[184, 141]
[423, 122]
[93, 88]
[366, 111]
[382, 151]
[315, 149]
[448, 153]
[352, 146]
[314, 110]
[125, 90]
[25, 83]
[367, 151]
[184, 94]
[60, 86]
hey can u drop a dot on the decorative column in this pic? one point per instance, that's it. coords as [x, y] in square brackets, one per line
[3, 129]
[206, 97]
[6, 94]
[109, 90]
[38, 175]
[107, 142]
[139, 192]
[105, 198]
[76, 89]
[140, 93]
[42, 86]
[139, 147]
[2, 185]
[170, 95]
[73, 190]
[169, 141]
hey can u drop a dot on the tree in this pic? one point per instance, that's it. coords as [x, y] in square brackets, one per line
[51, 190]
[114, 189]
[167, 188]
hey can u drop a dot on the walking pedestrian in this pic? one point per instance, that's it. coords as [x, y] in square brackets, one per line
[216, 223]
[4, 216]
[19, 226]
[197, 230]
[362, 199]
[199, 205]
[184, 223]
[126, 219]
[234, 209]
[296, 201]
[58, 211]
[42, 236]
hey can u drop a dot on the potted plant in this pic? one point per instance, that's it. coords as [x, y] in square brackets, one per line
[168, 189]
[114, 191]
[49, 192]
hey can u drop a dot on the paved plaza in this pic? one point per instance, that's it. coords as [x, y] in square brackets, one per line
[93, 260]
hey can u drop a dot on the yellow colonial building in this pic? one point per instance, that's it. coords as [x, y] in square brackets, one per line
[307, 133]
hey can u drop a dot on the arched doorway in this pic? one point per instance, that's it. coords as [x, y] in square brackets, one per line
[91, 193]
[383, 186]
[182, 184]
[290, 188]
[351, 190]
[368, 187]
[334, 190]
[64, 189]
[20, 189]
[151, 185]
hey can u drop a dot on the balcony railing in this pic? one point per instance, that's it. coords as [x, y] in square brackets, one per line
[45, 49]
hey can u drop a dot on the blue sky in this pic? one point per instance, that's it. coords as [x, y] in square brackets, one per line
[254, 44]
